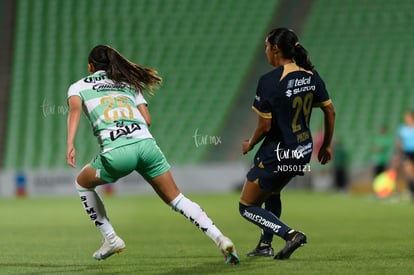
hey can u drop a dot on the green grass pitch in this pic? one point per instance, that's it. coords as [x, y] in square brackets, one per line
[346, 235]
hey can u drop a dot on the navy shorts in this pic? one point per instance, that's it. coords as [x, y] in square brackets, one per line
[272, 168]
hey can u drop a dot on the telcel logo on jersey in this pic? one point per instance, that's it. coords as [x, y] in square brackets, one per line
[302, 81]
[299, 85]
[298, 82]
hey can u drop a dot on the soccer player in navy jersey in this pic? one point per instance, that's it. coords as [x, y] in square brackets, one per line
[284, 101]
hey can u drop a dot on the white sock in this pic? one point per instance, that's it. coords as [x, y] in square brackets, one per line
[95, 209]
[193, 212]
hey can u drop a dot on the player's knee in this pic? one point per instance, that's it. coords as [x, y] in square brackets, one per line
[81, 182]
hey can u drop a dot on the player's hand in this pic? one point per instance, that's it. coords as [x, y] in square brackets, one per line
[325, 154]
[246, 146]
[70, 156]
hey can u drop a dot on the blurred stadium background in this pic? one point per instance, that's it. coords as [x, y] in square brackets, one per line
[210, 54]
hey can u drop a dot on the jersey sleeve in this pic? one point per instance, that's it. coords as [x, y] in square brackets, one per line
[139, 99]
[321, 96]
[261, 104]
[73, 91]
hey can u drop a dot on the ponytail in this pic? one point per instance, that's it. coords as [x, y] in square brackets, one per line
[120, 69]
[301, 57]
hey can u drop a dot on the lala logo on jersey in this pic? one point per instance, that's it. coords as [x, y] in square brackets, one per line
[124, 131]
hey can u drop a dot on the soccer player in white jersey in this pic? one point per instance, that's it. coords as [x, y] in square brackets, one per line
[111, 97]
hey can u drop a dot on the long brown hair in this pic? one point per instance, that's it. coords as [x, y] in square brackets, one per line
[120, 69]
[288, 43]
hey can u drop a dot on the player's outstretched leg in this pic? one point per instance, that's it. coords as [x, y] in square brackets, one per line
[95, 209]
[264, 248]
[268, 222]
[193, 212]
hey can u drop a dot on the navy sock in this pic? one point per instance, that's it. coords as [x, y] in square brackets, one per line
[263, 218]
[274, 205]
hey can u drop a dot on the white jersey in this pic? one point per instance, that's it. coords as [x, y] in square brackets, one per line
[112, 110]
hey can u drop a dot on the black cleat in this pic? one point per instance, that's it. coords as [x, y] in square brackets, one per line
[297, 240]
[262, 251]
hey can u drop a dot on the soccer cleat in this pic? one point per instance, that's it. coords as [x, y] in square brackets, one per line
[297, 240]
[110, 246]
[229, 251]
[262, 251]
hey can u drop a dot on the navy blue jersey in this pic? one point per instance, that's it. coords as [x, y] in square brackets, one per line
[287, 95]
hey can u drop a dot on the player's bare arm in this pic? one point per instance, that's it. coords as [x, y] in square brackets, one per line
[325, 152]
[263, 126]
[143, 109]
[75, 109]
